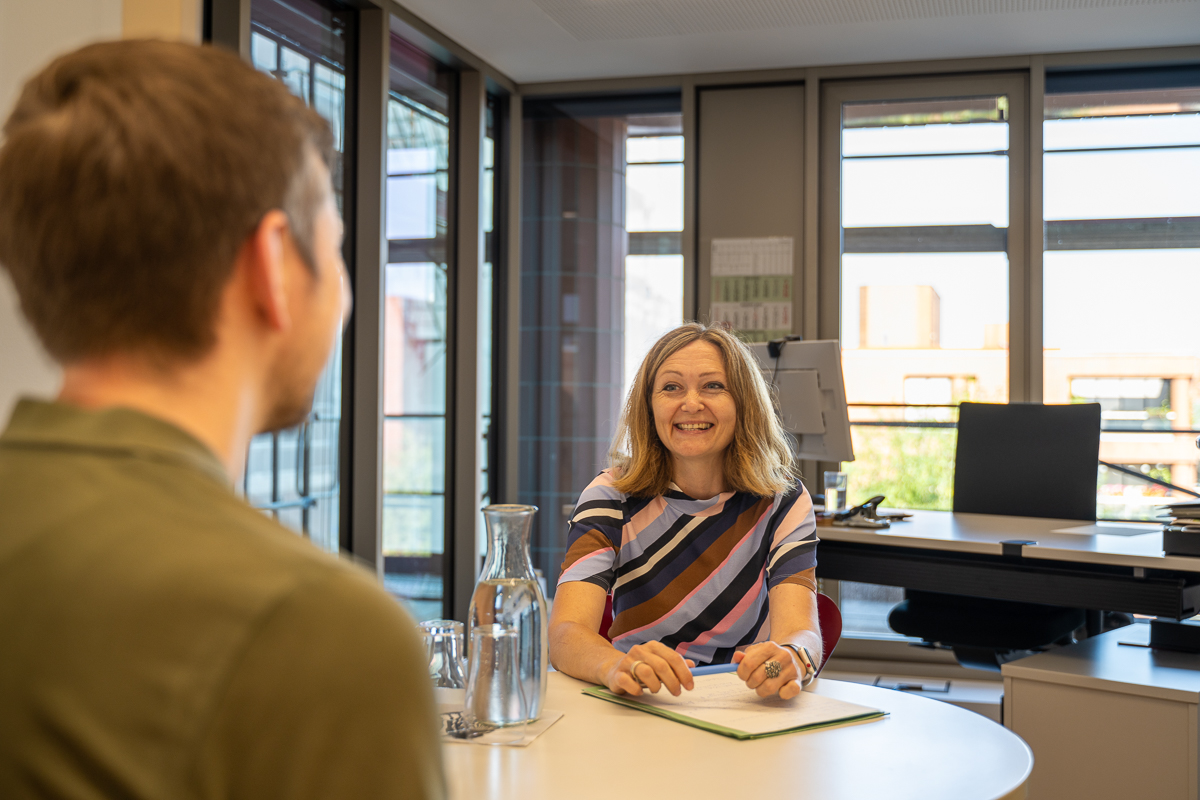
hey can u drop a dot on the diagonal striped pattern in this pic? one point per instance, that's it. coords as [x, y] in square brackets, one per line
[693, 574]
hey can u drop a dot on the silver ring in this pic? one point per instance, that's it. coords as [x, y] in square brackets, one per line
[773, 668]
[633, 671]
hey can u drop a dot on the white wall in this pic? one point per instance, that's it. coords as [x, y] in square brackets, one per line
[30, 35]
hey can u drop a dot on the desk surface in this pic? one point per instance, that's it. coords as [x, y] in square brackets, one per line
[925, 749]
[983, 534]
[1102, 662]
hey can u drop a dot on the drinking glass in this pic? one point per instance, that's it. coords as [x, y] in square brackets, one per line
[496, 705]
[443, 640]
[835, 491]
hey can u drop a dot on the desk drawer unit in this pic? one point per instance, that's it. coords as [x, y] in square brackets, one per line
[1108, 720]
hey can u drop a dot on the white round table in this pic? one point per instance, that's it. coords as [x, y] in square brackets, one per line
[924, 749]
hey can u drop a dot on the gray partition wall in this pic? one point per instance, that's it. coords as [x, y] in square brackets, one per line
[750, 169]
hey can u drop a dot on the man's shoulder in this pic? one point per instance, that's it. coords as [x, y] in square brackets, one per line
[153, 530]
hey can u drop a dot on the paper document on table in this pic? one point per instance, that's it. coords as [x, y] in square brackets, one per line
[722, 704]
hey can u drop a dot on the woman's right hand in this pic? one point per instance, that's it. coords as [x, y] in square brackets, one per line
[657, 666]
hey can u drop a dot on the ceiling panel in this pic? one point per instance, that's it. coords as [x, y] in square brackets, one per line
[547, 40]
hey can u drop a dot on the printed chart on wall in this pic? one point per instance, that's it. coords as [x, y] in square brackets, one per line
[752, 286]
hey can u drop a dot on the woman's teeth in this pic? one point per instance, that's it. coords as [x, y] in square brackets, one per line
[693, 426]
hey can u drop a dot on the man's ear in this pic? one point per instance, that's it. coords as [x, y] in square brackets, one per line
[263, 262]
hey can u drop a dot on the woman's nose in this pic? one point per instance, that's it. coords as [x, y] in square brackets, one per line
[691, 401]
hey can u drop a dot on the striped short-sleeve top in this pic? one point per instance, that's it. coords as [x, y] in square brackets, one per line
[692, 574]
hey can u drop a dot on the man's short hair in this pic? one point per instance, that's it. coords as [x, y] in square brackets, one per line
[131, 175]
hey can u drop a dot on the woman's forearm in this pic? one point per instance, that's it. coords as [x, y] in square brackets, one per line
[794, 619]
[582, 653]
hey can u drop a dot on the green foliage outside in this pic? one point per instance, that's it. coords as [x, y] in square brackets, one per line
[911, 467]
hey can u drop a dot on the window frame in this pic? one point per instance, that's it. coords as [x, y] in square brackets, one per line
[1022, 354]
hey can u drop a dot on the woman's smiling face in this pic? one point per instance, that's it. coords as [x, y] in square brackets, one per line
[694, 413]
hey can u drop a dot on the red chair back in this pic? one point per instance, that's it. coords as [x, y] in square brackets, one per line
[829, 617]
[607, 619]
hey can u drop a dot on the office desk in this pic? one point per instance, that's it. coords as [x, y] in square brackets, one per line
[982, 555]
[925, 749]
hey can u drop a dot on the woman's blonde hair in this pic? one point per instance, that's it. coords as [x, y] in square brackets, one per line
[759, 460]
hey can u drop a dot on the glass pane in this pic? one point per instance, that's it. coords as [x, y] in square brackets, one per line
[925, 139]
[654, 197]
[653, 149]
[416, 337]
[415, 457]
[296, 69]
[412, 546]
[414, 330]
[653, 306]
[923, 327]
[497, 109]
[294, 474]
[1123, 184]
[926, 190]
[1156, 130]
[1121, 270]
[912, 466]
[949, 305]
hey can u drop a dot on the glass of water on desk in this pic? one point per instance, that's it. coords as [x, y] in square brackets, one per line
[835, 491]
[496, 709]
[443, 639]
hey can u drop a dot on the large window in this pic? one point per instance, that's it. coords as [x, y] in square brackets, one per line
[937, 301]
[928, 217]
[924, 271]
[294, 474]
[1122, 269]
[416, 350]
[654, 220]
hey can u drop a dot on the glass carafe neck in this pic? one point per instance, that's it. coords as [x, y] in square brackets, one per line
[508, 542]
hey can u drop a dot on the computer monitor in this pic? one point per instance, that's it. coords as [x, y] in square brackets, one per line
[812, 396]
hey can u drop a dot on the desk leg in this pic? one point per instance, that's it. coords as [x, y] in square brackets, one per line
[1095, 623]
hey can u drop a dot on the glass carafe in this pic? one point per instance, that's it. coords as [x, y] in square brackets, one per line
[508, 594]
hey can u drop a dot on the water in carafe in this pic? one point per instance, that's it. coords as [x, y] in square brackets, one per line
[508, 594]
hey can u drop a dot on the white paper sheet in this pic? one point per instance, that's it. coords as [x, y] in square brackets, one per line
[724, 700]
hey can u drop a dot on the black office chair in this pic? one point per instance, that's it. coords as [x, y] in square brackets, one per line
[1024, 460]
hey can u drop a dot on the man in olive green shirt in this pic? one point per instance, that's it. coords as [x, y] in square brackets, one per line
[167, 219]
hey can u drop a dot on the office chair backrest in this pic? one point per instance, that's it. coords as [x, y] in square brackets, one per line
[1027, 460]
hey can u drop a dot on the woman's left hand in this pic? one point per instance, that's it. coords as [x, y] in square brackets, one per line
[752, 669]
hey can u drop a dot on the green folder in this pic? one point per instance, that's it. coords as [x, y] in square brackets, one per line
[715, 706]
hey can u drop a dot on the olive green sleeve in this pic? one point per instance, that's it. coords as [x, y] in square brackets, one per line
[330, 699]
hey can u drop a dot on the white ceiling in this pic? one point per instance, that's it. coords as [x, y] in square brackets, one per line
[550, 40]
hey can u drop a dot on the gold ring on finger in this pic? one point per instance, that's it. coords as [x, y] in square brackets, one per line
[772, 668]
[633, 671]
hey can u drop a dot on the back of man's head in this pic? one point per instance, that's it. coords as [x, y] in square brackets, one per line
[130, 175]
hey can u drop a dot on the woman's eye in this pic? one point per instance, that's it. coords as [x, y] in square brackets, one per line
[714, 385]
[669, 387]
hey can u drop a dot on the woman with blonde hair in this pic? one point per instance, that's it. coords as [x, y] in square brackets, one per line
[699, 529]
